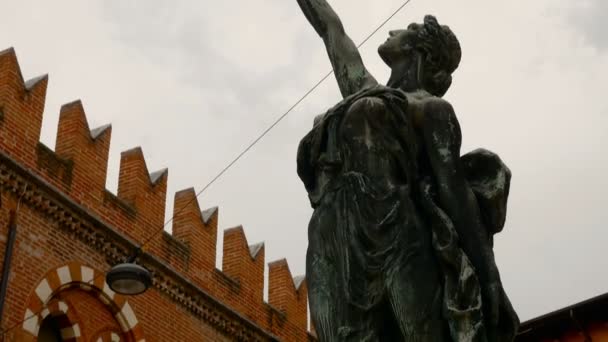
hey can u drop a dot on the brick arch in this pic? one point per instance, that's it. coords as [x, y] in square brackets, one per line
[107, 336]
[79, 276]
[68, 326]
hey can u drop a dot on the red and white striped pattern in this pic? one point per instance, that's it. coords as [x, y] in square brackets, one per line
[42, 303]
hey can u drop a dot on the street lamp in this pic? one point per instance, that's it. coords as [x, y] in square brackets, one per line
[129, 278]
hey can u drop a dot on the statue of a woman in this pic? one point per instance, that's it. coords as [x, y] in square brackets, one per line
[400, 241]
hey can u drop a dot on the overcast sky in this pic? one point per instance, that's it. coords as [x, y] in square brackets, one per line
[194, 82]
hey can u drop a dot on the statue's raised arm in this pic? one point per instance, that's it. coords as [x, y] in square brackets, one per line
[346, 61]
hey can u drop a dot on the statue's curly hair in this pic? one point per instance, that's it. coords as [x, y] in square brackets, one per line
[442, 53]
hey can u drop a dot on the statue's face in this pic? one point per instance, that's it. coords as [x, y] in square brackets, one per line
[397, 46]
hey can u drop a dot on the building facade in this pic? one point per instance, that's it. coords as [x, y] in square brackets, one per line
[582, 322]
[61, 231]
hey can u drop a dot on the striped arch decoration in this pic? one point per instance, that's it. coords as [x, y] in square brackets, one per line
[59, 310]
[107, 336]
[75, 275]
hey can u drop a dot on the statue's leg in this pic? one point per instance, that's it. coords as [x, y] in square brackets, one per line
[415, 291]
[334, 319]
[325, 298]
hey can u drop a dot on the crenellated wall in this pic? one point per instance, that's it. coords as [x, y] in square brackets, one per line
[74, 177]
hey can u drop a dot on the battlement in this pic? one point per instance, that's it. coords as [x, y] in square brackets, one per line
[77, 169]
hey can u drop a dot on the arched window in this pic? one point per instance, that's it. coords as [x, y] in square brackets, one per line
[84, 287]
[49, 330]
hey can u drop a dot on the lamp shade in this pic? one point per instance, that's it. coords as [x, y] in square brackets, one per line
[128, 279]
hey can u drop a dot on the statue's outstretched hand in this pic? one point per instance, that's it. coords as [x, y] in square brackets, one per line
[319, 14]
[351, 74]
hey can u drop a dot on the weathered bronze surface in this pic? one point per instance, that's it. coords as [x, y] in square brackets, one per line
[400, 241]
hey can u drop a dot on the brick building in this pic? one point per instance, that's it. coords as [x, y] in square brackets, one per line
[582, 322]
[69, 230]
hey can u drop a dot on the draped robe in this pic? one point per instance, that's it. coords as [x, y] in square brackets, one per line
[372, 225]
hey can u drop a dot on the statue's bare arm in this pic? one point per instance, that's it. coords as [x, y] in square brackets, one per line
[346, 61]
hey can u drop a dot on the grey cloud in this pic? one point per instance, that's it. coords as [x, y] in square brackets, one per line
[213, 57]
[589, 18]
[512, 102]
[194, 82]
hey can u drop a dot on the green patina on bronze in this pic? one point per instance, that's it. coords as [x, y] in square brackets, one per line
[400, 241]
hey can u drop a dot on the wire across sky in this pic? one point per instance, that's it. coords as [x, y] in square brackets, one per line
[244, 151]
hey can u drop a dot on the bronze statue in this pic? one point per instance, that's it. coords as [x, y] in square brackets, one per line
[400, 241]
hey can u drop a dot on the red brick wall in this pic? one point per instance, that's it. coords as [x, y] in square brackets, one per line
[595, 331]
[92, 316]
[70, 225]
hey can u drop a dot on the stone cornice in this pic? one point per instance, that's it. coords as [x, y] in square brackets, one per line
[116, 247]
